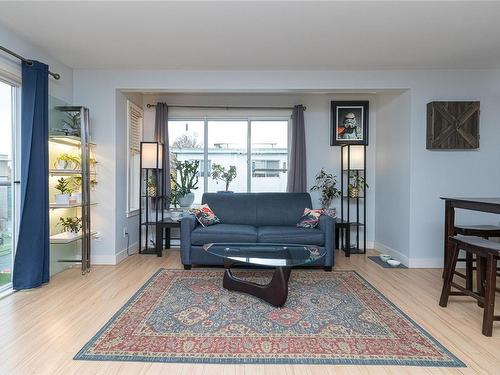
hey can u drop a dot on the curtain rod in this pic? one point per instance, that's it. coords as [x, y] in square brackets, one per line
[227, 107]
[29, 62]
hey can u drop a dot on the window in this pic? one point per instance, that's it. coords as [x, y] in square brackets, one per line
[227, 145]
[135, 117]
[258, 148]
[9, 199]
[186, 141]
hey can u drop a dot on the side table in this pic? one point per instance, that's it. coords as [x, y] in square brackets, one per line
[163, 231]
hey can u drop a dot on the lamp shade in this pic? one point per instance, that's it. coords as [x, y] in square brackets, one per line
[151, 155]
[356, 157]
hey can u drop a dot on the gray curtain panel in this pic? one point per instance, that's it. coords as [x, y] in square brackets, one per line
[297, 177]
[161, 135]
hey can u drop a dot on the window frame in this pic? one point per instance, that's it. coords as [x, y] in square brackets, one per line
[12, 76]
[249, 120]
[131, 212]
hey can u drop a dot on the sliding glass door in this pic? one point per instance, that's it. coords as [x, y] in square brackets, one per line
[7, 193]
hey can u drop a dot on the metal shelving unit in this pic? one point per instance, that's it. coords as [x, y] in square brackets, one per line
[353, 209]
[83, 144]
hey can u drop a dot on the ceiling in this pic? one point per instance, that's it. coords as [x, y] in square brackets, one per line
[238, 35]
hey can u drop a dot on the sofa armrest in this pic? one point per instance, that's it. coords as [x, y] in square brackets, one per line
[327, 226]
[188, 223]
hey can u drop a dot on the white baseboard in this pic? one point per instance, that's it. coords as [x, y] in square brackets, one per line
[392, 252]
[112, 260]
[427, 263]
[103, 260]
[122, 255]
[408, 261]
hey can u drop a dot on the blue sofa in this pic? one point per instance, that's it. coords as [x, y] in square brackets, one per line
[253, 218]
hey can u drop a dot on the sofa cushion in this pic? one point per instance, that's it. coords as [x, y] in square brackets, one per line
[258, 209]
[289, 234]
[224, 233]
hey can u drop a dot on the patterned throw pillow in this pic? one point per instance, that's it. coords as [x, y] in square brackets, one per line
[205, 215]
[310, 218]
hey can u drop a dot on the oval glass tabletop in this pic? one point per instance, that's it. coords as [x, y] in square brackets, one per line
[265, 254]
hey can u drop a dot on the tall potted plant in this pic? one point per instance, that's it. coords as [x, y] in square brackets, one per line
[219, 173]
[184, 180]
[326, 183]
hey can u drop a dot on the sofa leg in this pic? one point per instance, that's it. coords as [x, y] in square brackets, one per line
[328, 268]
[187, 266]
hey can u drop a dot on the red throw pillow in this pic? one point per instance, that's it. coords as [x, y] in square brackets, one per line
[310, 218]
[205, 215]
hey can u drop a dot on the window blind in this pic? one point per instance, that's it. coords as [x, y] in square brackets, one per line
[135, 118]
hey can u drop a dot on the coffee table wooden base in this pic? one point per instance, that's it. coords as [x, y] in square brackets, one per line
[275, 293]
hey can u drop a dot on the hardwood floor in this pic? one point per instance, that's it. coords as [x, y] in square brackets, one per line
[41, 330]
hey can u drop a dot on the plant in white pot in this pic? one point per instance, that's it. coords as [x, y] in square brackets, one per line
[219, 173]
[326, 183]
[184, 180]
[70, 225]
[64, 189]
[67, 161]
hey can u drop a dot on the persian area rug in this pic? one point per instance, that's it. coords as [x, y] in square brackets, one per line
[329, 318]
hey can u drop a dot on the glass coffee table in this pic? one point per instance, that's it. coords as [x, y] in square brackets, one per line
[280, 256]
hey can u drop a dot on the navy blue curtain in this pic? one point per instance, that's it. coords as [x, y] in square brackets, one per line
[31, 264]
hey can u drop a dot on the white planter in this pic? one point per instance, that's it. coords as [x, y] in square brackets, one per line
[77, 197]
[61, 164]
[62, 198]
[187, 200]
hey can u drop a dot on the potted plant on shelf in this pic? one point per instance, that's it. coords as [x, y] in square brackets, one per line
[71, 124]
[67, 161]
[184, 180]
[70, 225]
[219, 173]
[356, 184]
[326, 183]
[63, 186]
[151, 186]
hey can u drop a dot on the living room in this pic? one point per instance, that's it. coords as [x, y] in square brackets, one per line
[357, 276]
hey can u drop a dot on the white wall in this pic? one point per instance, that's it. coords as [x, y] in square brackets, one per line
[432, 173]
[61, 89]
[392, 201]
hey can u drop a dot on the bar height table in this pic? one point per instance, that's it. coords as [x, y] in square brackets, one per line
[490, 205]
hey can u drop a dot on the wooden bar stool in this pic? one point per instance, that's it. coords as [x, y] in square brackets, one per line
[487, 253]
[484, 231]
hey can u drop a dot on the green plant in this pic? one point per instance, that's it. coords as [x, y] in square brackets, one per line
[72, 120]
[220, 173]
[327, 184]
[356, 182]
[75, 182]
[174, 197]
[70, 224]
[68, 160]
[185, 178]
[63, 186]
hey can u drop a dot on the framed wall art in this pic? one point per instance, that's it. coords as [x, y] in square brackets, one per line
[349, 123]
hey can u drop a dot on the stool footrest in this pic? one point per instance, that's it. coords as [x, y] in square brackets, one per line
[467, 292]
